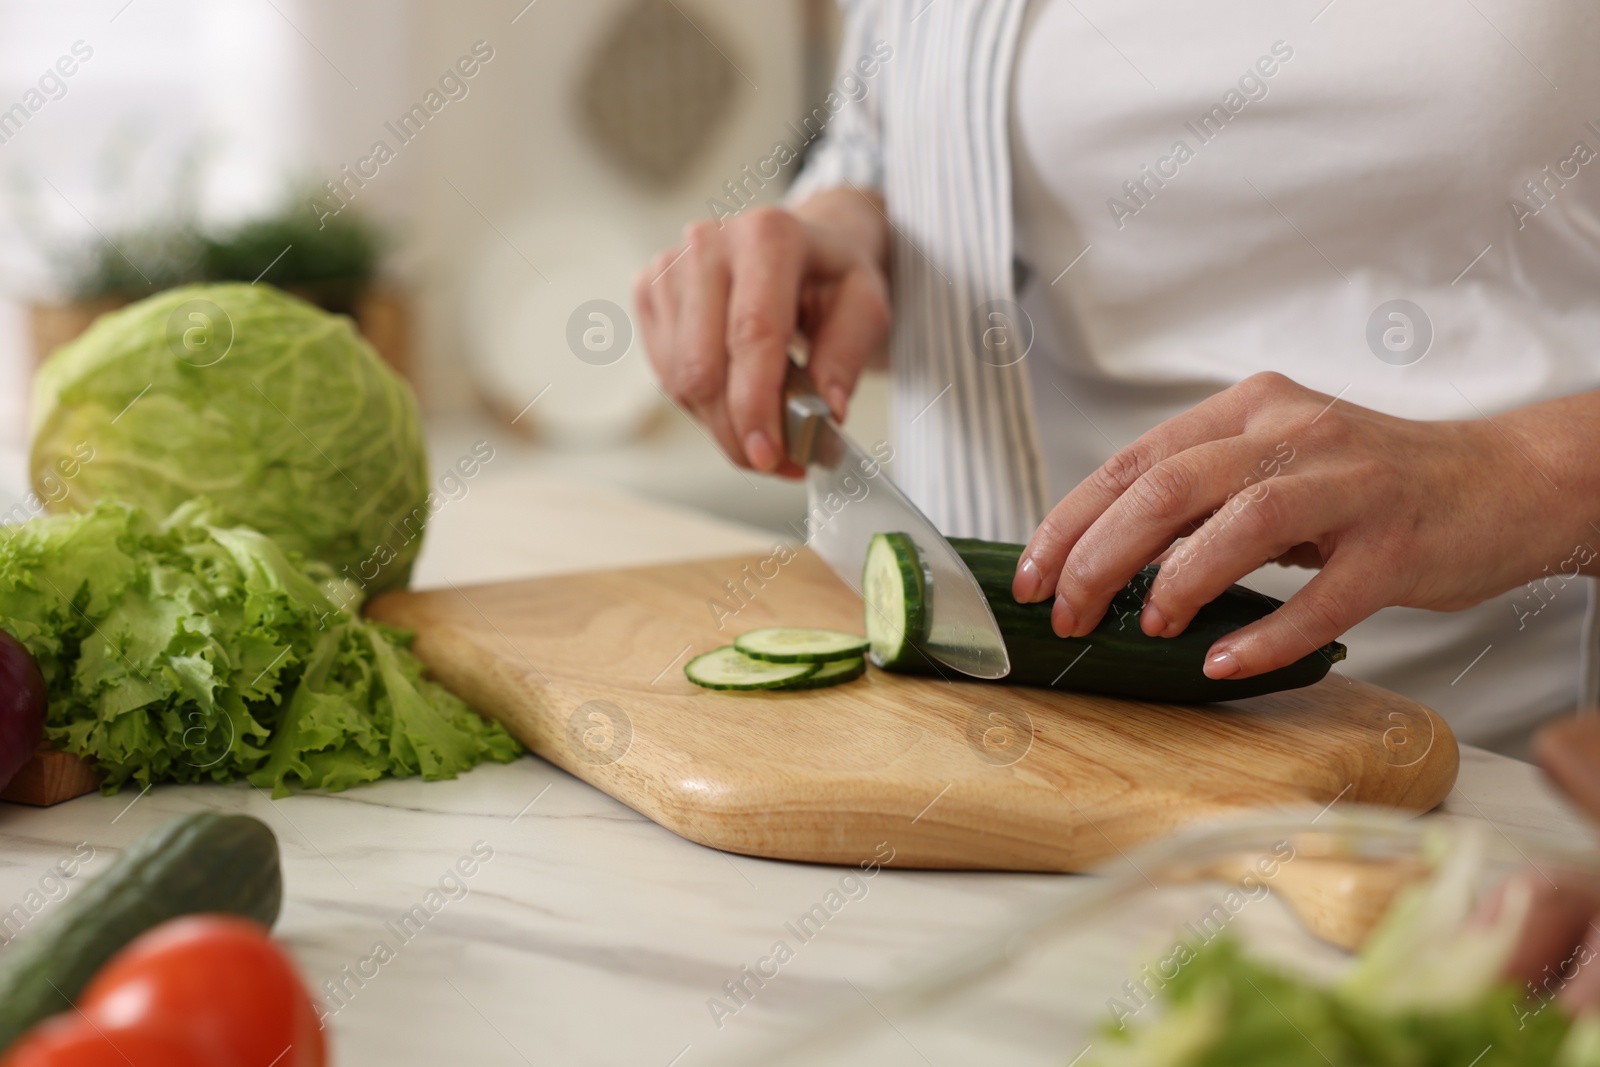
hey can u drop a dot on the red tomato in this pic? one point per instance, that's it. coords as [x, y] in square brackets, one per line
[220, 982]
[70, 1041]
[201, 991]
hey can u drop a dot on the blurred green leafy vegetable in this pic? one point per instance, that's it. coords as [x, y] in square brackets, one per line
[1425, 991]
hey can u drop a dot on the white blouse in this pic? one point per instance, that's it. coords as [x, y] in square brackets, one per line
[1394, 204]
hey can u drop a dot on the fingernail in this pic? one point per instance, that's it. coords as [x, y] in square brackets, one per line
[1062, 619]
[1028, 586]
[759, 451]
[1151, 621]
[839, 402]
[1221, 665]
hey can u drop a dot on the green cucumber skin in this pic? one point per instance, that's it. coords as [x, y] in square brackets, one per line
[1121, 659]
[766, 656]
[202, 862]
[824, 680]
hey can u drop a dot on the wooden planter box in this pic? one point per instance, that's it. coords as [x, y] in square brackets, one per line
[382, 314]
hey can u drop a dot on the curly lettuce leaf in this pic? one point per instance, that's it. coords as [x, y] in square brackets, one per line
[188, 651]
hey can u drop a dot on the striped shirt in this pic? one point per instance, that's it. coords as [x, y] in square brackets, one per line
[968, 449]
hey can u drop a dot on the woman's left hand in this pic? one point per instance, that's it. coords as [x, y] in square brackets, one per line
[1439, 515]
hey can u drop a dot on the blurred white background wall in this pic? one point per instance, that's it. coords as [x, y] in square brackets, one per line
[504, 213]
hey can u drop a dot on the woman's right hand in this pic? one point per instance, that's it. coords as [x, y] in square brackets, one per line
[719, 311]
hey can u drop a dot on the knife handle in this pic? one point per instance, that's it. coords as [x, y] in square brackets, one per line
[804, 412]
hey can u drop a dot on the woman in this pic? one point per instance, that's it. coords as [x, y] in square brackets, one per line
[1313, 283]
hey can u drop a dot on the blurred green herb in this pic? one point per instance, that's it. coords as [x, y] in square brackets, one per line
[134, 263]
[329, 264]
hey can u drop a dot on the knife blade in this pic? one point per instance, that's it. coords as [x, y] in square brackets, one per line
[849, 497]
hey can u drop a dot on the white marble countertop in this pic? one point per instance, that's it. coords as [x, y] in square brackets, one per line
[591, 936]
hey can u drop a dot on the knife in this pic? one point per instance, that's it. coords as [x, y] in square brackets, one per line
[849, 498]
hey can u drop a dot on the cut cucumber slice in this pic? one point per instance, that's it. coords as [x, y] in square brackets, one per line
[840, 670]
[781, 644]
[728, 668]
[896, 591]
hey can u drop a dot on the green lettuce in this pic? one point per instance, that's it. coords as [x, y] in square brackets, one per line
[185, 650]
[1227, 1009]
[1425, 991]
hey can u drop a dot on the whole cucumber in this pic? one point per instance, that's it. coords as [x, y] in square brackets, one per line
[1117, 658]
[201, 862]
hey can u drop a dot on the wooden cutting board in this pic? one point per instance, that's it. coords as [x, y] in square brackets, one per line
[587, 670]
